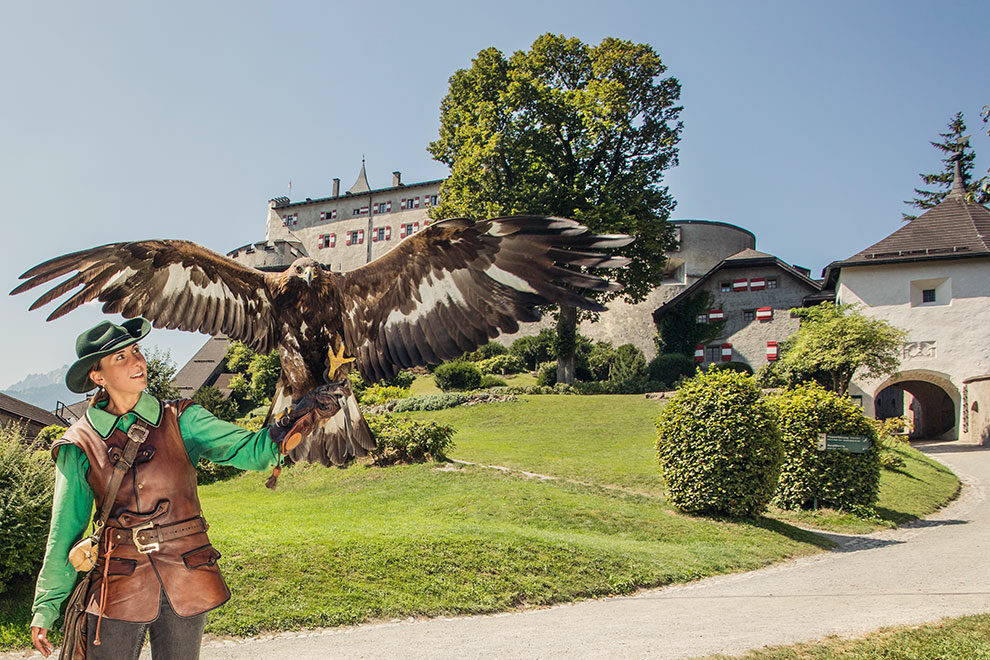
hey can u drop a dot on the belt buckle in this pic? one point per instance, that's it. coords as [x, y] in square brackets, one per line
[144, 548]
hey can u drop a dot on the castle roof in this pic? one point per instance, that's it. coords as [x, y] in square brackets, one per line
[361, 185]
[953, 229]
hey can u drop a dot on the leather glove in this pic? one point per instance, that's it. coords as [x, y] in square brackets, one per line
[293, 417]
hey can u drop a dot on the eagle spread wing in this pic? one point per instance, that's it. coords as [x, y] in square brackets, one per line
[455, 285]
[174, 284]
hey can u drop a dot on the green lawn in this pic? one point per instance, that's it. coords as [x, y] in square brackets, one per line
[426, 384]
[608, 440]
[963, 638]
[337, 546]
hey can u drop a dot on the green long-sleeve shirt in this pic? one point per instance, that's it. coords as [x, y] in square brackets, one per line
[204, 436]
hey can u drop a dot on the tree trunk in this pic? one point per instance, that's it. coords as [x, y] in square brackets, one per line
[566, 334]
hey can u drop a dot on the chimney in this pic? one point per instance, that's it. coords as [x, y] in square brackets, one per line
[396, 179]
[336, 187]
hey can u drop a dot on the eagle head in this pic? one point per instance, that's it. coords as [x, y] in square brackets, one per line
[302, 271]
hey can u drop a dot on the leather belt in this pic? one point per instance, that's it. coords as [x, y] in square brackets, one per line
[149, 537]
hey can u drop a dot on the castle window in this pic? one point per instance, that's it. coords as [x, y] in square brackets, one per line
[702, 318]
[749, 315]
[713, 353]
[383, 207]
[430, 200]
[771, 282]
[327, 240]
[725, 287]
[928, 295]
[290, 220]
[411, 203]
[328, 215]
[361, 211]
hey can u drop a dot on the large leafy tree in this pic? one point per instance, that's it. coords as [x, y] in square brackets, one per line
[161, 372]
[566, 129]
[953, 140]
[834, 341]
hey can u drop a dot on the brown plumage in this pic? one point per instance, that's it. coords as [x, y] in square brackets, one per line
[442, 291]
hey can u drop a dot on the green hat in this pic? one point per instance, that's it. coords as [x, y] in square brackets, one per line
[99, 341]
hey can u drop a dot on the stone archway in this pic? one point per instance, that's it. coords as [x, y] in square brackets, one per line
[928, 398]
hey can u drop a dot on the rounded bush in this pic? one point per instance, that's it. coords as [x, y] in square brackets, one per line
[487, 351]
[491, 380]
[546, 374]
[379, 394]
[836, 479]
[27, 482]
[718, 446]
[402, 379]
[628, 371]
[457, 375]
[48, 435]
[404, 440]
[668, 368]
[502, 365]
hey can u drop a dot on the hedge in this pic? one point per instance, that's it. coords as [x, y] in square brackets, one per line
[718, 446]
[830, 478]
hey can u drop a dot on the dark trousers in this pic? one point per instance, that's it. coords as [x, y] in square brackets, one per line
[173, 637]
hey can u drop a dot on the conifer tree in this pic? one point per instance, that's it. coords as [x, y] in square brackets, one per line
[955, 139]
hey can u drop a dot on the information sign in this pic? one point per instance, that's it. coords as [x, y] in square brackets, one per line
[850, 444]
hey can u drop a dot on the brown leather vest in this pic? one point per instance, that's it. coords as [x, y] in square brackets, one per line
[160, 490]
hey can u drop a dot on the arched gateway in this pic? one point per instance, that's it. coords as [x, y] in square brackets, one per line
[927, 398]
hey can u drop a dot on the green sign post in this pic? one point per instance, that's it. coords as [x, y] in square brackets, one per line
[850, 444]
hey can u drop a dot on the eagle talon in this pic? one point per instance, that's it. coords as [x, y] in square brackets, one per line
[337, 360]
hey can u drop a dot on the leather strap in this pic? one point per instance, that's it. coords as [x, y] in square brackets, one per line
[159, 533]
[136, 435]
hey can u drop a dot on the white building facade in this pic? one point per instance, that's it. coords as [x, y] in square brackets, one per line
[932, 279]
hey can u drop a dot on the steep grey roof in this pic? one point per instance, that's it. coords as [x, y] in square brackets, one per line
[203, 367]
[22, 409]
[954, 229]
[749, 253]
[361, 185]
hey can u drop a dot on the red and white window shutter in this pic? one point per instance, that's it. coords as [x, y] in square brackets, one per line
[347, 241]
[416, 203]
[771, 351]
[740, 285]
[374, 235]
[716, 315]
[388, 233]
[764, 314]
[388, 206]
[360, 236]
[415, 227]
[699, 353]
[757, 283]
[726, 352]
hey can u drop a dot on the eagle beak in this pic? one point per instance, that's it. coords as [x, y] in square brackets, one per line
[308, 272]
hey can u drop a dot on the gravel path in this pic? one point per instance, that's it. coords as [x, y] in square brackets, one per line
[937, 567]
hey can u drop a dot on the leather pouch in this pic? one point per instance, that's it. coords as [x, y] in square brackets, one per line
[206, 555]
[83, 555]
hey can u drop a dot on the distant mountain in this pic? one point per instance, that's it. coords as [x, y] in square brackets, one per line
[44, 390]
[55, 377]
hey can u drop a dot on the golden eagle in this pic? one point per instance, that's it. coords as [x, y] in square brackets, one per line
[441, 292]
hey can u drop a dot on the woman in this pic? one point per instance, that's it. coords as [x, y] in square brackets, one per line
[156, 571]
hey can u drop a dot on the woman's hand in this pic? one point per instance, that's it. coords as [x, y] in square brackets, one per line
[39, 637]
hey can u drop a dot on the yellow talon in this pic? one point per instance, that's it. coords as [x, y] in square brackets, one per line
[337, 360]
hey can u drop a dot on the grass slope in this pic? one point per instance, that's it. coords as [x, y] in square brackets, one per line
[963, 638]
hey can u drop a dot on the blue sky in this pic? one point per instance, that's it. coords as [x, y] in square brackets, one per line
[806, 123]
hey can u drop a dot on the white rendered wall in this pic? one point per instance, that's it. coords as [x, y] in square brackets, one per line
[947, 340]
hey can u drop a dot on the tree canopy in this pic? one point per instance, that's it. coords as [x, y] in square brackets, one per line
[161, 371]
[566, 129]
[953, 140]
[834, 341]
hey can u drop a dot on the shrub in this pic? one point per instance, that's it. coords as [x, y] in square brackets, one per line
[402, 379]
[836, 479]
[668, 368]
[491, 380]
[457, 375]
[429, 402]
[502, 365]
[628, 373]
[404, 440]
[486, 352]
[27, 482]
[600, 360]
[718, 446]
[546, 375]
[379, 394]
[213, 400]
[536, 349]
[48, 435]
[741, 367]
